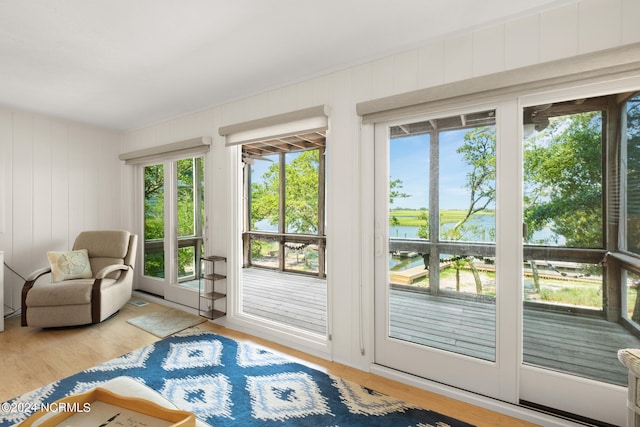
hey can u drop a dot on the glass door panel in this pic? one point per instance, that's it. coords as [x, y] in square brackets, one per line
[435, 269]
[564, 242]
[173, 228]
[440, 239]
[190, 208]
[154, 228]
[577, 295]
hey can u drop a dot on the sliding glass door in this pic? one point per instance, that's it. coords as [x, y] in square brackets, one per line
[435, 286]
[173, 228]
[506, 248]
[578, 295]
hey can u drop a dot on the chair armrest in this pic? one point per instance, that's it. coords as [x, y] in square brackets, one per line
[28, 284]
[37, 273]
[97, 286]
[630, 357]
[110, 269]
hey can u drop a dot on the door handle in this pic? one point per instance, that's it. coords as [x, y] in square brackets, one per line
[378, 245]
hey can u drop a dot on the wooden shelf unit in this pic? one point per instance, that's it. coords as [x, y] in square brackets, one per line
[210, 294]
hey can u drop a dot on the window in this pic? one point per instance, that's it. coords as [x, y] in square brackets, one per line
[187, 214]
[171, 197]
[581, 203]
[154, 221]
[630, 171]
[442, 190]
[284, 186]
[190, 193]
[565, 151]
[629, 235]
[581, 215]
[441, 210]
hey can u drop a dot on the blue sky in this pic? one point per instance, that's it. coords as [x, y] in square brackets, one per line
[259, 167]
[409, 162]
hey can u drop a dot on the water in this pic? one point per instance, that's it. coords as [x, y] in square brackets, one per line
[402, 263]
[485, 232]
[485, 224]
[265, 225]
[403, 232]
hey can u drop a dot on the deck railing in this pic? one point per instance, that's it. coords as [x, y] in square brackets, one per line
[156, 246]
[286, 242]
[533, 255]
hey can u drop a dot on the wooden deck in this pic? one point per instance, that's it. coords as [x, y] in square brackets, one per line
[579, 345]
[293, 299]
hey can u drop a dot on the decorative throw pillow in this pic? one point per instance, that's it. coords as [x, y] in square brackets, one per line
[69, 265]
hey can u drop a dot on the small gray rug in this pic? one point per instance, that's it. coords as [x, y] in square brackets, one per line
[166, 322]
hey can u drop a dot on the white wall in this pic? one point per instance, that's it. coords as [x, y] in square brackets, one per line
[56, 179]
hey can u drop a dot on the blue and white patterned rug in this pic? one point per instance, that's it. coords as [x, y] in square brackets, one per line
[230, 383]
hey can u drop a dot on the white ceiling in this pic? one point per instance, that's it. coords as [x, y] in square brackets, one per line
[125, 64]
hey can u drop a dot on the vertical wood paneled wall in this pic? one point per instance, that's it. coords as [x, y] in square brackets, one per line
[56, 179]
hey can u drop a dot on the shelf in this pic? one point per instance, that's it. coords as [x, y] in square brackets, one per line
[212, 314]
[213, 295]
[214, 258]
[214, 276]
[212, 298]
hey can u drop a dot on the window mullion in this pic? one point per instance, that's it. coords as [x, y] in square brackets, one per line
[282, 227]
[434, 211]
[321, 211]
[612, 298]
[198, 202]
[246, 244]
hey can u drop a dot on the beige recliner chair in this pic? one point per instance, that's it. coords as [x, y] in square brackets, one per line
[88, 284]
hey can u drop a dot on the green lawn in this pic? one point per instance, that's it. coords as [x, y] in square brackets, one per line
[411, 217]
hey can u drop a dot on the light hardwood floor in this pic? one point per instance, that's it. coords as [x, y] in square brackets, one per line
[31, 358]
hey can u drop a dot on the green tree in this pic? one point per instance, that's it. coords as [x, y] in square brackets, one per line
[153, 202]
[154, 217]
[265, 196]
[563, 180]
[154, 212]
[301, 194]
[458, 263]
[395, 185]
[633, 174]
[423, 230]
[187, 193]
[479, 152]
